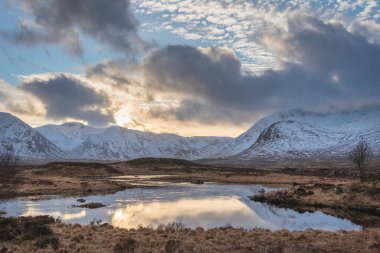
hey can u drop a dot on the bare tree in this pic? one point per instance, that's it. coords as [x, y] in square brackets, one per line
[359, 154]
[8, 163]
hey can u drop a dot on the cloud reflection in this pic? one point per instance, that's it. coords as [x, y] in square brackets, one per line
[33, 209]
[205, 212]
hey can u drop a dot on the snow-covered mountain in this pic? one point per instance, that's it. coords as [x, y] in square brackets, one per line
[118, 143]
[24, 141]
[302, 134]
[289, 134]
[68, 136]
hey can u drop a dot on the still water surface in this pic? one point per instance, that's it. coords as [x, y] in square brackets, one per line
[209, 205]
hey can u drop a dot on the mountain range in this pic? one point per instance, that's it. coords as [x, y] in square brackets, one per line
[293, 134]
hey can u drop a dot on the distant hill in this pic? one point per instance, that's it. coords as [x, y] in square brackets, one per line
[160, 162]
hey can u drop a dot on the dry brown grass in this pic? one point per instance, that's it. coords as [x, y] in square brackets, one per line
[62, 179]
[170, 239]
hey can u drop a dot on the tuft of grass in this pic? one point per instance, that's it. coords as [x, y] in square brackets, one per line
[126, 245]
[44, 241]
[172, 246]
[174, 226]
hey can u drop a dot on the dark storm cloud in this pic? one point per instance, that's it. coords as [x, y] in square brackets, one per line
[62, 22]
[66, 97]
[112, 70]
[330, 67]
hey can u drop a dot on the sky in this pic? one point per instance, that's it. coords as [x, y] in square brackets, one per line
[196, 67]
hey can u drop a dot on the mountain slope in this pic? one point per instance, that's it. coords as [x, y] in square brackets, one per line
[246, 139]
[24, 141]
[69, 135]
[118, 143]
[301, 134]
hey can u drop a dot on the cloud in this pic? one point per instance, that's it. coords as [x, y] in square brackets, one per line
[199, 111]
[65, 96]
[326, 66]
[64, 21]
[369, 29]
[113, 72]
[237, 24]
[18, 102]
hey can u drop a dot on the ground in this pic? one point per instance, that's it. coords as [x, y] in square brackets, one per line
[331, 187]
[61, 179]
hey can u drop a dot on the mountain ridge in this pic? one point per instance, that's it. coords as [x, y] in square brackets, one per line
[118, 143]
[288, 134]
[302, 134]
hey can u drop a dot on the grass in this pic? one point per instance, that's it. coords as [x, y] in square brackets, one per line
[43, 234]
[175, 238]
[126, 245]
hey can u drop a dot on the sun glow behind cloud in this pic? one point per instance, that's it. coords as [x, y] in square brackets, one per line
[123, 117]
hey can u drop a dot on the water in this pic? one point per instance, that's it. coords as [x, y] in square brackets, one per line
[209, 205]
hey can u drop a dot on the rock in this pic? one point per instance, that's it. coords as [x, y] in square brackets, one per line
[197, 181]
[91, 205]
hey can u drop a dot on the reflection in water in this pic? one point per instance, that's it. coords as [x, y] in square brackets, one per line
[32, 209]
[207, 206]
[207, 212]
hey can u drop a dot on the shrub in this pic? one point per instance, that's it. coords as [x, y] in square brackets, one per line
[359, 154]
[25, 228]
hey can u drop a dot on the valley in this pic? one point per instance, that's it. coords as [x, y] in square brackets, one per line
[291, 186]
[285, 180]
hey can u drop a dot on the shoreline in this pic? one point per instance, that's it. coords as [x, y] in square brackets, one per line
[84, 179]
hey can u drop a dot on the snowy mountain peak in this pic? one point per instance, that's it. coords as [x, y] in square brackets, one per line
[24, 141]
[287, 134]
[119, 143]
[302, 134]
